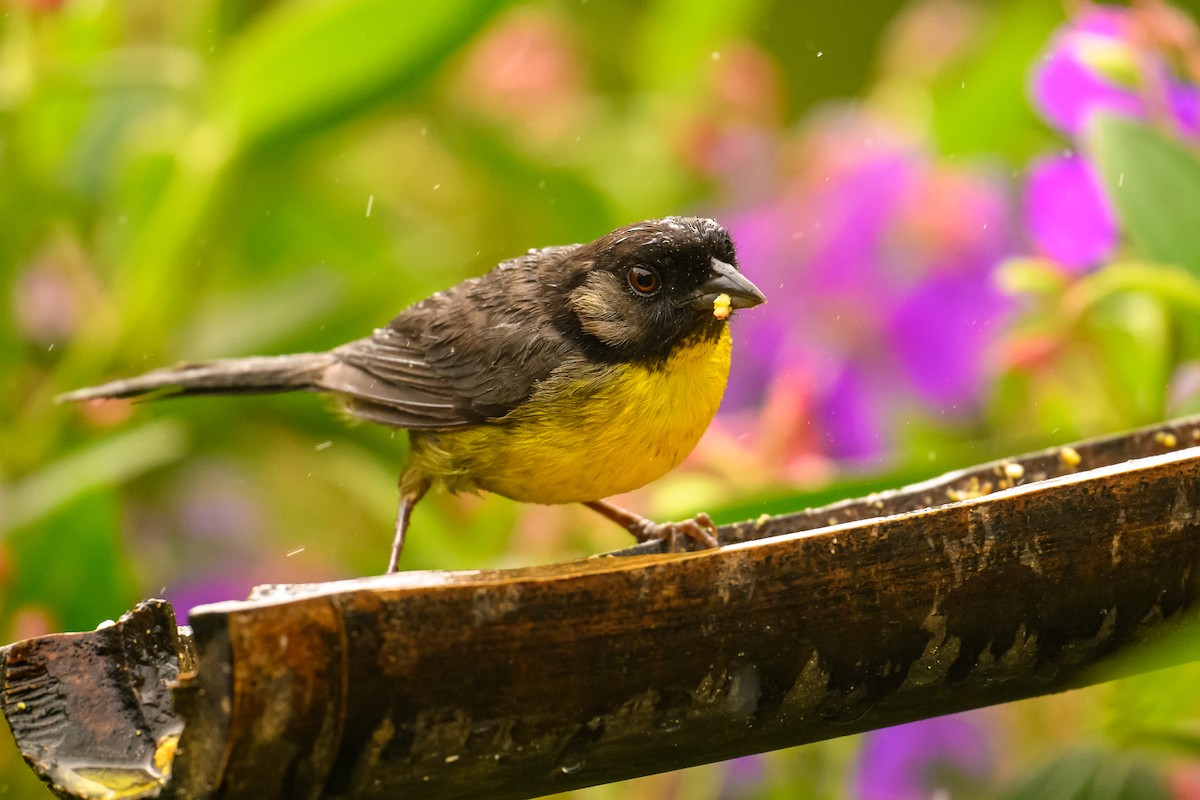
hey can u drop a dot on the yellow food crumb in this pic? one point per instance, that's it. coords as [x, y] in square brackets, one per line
[21, 706]
[1166, 439]
[164, 754]
[1069, 456]
[721, 306]
[763, 519]
[974, 488]
[1014, 471]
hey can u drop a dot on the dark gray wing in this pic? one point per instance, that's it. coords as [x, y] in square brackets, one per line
[460, 357]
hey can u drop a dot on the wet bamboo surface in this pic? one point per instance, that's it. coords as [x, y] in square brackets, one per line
[1006, 581]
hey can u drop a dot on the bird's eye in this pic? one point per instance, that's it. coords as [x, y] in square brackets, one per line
[643, 280]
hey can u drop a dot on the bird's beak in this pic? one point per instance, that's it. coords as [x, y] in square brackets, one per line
[725, 279]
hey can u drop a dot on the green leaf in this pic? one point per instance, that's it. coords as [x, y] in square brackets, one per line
[679, 37]
[1170, 284]
[1158, 709]
[72, 566]
[1091, 775]
[255, 320]
[107, 462]
[1132, 335]
[315, 62]
[1033, 276]
[556, 202]
[979, 104]
[1154, 183]
[1157, 702]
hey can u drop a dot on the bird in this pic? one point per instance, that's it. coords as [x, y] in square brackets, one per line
[565, 375]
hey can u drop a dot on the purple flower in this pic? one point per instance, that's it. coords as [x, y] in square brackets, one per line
[743, 778]
[940, 332]
[1184, 101]
[1068, 216]
[1102, 61]
[882, 263]
[1067, 87]
[184, 597]
[915, 761]
[1096, 63]
[849, 416]
[761, 239]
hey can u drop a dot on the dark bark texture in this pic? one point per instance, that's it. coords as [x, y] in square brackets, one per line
[1006, 581]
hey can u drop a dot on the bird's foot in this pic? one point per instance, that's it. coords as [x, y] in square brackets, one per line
[698, 533]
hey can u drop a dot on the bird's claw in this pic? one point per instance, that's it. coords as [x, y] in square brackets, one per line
[698, 533]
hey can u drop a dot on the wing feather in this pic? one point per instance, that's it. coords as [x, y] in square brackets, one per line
[461, 357]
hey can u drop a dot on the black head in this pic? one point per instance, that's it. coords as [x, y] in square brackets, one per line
[641, 290]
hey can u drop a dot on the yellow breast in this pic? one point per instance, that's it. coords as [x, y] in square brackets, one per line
[599, 431]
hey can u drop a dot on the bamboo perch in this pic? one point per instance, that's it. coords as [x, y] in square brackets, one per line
[989, 585]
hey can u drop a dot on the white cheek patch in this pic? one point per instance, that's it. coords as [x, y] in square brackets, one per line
[604, 310]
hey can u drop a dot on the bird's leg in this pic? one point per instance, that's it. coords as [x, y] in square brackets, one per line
[409, 495]
[700, 529]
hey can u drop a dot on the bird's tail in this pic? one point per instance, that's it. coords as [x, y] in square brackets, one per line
[256, 375]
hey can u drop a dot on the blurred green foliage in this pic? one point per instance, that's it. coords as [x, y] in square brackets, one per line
[211, 178]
